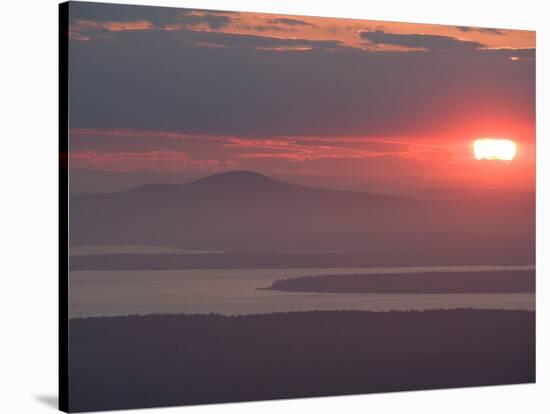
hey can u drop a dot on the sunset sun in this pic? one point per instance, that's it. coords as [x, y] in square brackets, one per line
[494, 149]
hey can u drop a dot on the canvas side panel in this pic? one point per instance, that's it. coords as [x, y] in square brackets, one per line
[63, 205]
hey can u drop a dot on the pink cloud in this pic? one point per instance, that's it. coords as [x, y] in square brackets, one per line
[82, 29]
[301, 149]
[155, 151]
[143, 161]
[141, 133]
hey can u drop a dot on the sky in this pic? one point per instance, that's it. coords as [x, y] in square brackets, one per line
[170, 95]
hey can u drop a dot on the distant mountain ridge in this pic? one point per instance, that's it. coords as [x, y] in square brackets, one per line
[244, 210]
[245, 181]
[242, 177]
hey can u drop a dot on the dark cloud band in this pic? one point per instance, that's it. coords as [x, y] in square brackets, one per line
[424, 41]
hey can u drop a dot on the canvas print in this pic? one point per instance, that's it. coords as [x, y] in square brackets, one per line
[260, 206]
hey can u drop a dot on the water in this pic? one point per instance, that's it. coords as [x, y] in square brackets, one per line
[234, 291]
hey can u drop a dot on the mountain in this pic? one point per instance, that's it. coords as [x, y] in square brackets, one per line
[247, 184]
[243, 210]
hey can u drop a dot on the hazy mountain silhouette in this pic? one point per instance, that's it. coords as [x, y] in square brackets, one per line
[237, 184]
[244, 211]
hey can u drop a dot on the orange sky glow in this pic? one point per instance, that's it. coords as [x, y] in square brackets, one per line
[435, 144]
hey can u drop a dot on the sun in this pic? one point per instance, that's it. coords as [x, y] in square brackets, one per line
[494, 149]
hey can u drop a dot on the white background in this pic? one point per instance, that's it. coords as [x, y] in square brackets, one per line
[28, 204]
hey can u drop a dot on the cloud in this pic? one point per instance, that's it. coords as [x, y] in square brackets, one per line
[156, 160]
[371, 144]
[513, 54]
[89, 19]
[260, 86]
[88, 27]
[193, 19]
[308, 149]
[82, 138]
[289, 22]
[282, 24]
[134, 133]
[158, 16]
[199, 38]
[489, 30]
[266, 28]
[423, 41]
[100, 148]
[196, 146]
